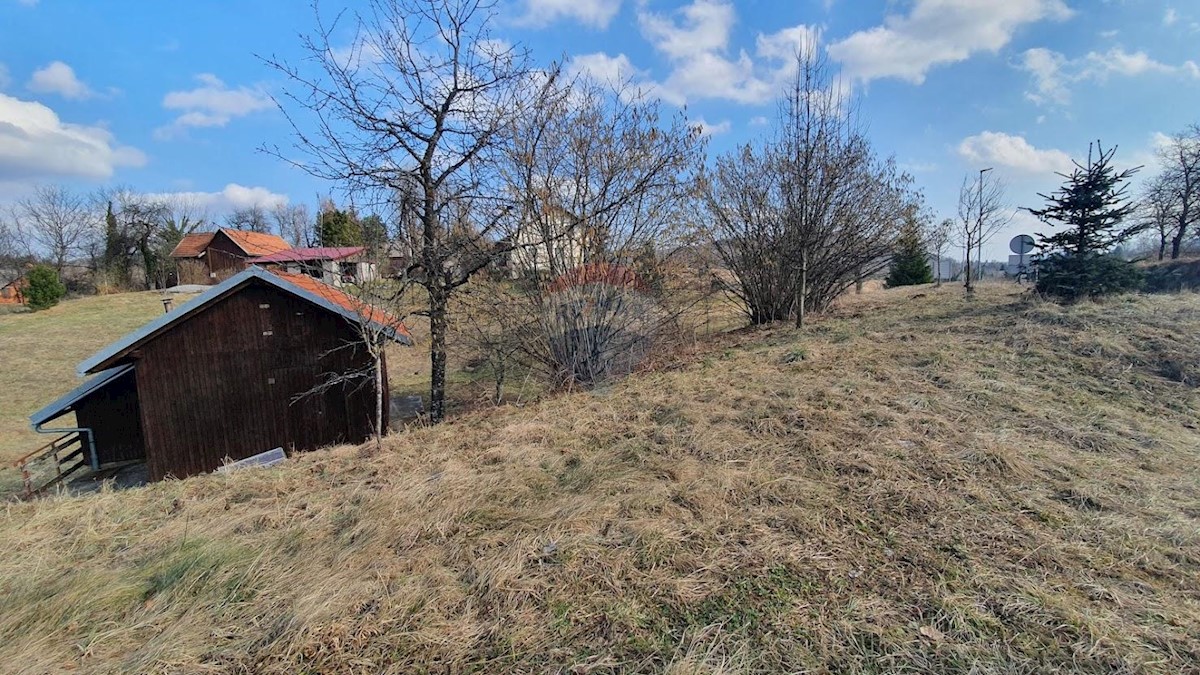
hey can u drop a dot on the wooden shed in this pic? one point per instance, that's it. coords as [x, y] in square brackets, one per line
[212, 257]
[243, 368]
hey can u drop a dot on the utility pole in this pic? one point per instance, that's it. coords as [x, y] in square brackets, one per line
[979, 229]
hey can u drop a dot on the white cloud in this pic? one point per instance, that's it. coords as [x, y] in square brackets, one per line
[232, 196]
[759, 121]
[59, 78]
[996, 148]
[1054, 74]
[1170, 17]
[1147, 156]
[1046, 67]
[1117, 61]
[708, 129]
[35, 145]
[695, 41]
[595, 13]
[605, 69]
[937, 32]
[5, 78]
[213, 104]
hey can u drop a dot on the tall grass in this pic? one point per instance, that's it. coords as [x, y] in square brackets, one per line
[913, 484]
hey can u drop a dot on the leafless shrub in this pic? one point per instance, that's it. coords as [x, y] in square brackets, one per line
[801, 217]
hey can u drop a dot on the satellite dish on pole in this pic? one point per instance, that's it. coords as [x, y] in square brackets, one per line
[1021, 244]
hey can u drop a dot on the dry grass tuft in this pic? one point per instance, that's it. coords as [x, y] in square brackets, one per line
[922, 484]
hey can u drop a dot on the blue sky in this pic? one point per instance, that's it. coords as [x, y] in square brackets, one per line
[172, 97]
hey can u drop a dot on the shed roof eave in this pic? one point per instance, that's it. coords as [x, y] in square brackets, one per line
[63, 404]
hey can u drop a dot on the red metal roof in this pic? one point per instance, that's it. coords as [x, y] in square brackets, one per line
[192, 245]
[600, 273]
[345, 301]
[255, 244]
[311, 254]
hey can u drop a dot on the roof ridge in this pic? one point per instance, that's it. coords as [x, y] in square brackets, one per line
[389, 325]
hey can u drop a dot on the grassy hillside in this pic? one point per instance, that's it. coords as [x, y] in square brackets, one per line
[917, 483]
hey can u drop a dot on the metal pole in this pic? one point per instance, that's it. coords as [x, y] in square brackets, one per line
[979, 239]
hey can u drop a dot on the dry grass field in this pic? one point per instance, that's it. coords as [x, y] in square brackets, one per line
[915, 483]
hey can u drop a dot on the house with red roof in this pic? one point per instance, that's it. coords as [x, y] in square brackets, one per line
[258, 362]
[334, 265]
[211, 257]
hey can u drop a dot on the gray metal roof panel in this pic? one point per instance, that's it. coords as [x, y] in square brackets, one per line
[64, 403]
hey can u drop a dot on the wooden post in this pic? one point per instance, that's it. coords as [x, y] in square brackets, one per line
[803, 287]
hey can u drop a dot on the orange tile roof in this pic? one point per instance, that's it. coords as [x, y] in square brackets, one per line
[192, 245]
[345, 300]
[255, 244]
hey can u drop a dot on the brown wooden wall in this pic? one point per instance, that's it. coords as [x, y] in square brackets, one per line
[193, 271]
[112, 415]
[222, 383]
[223, 258]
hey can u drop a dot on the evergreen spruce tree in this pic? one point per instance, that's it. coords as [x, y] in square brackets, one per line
[336, 227]
[910, 262]
[44, 289]
[116, 250]
[1093, 206]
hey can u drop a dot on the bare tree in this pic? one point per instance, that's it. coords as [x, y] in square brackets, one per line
[419, 106]
[802, 217]
[178, 217]
[13, 255]
[982, 213]
[57, 223]
[294, 224]
[1179, 183]
[250, 218]
[937, 238]
[1158, 211]
[493, 324]
[602, 182]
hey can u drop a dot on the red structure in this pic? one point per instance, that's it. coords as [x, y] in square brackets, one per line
[257, 362]
[13, 293]
[212, 257]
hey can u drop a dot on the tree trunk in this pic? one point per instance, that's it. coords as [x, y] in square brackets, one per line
[438, 324]
[803, 288]
[1177, 241]
[379, 397]
[499, 370]
[1184, 217]
[967, 270]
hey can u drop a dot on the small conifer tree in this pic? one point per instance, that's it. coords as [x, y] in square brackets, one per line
[910, 262]
[1093, 206]
[45, 289]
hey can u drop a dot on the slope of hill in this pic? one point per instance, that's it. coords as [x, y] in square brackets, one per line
[915, 483]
